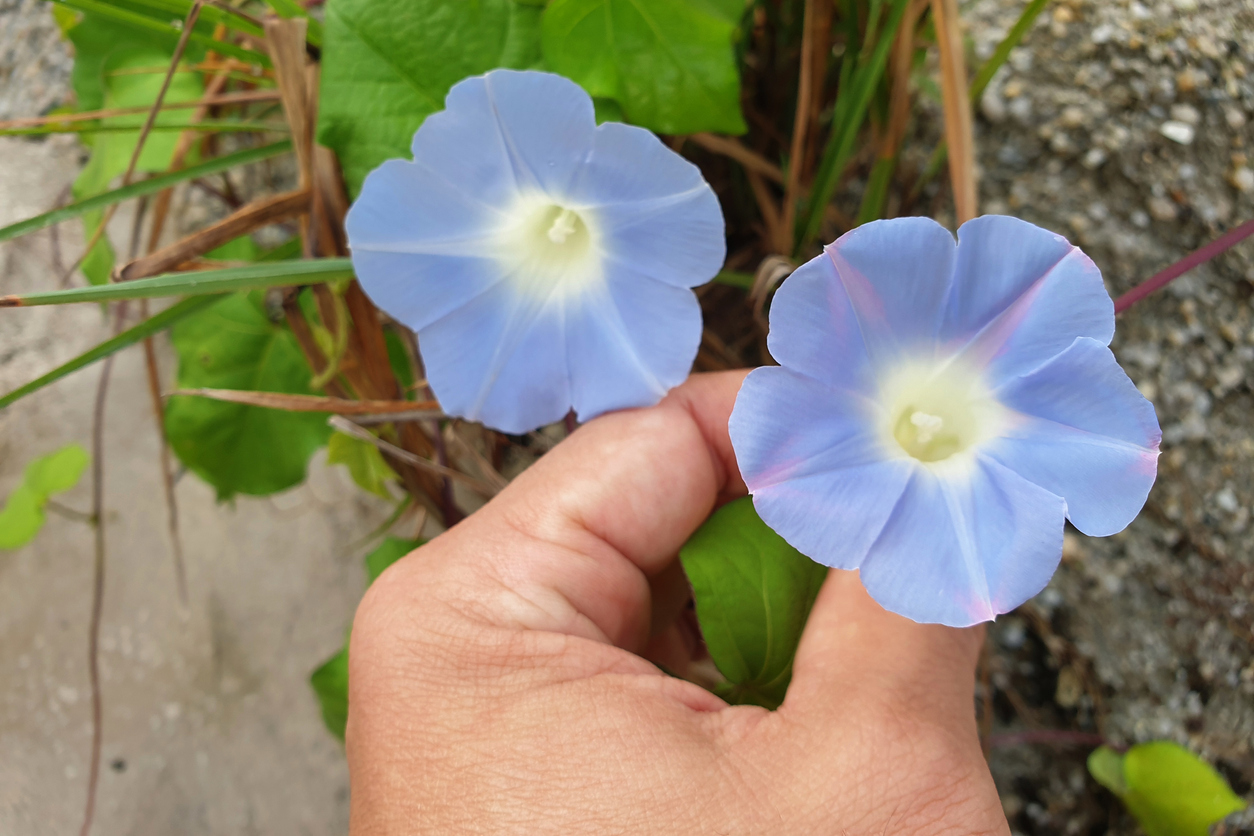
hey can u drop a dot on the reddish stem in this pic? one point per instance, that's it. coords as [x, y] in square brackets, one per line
[1160, 280]
[1060, 737]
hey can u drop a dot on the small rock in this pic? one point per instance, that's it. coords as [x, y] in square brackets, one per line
[1180, 132]
[1226, 499]
[993, 106]
[1242, 179]
[1014, 89]
[1073, 117]
[1140, 218]
[1186, 5]
[1162, 209]
[1190, 78]
[1102, 34]
[1186, 113]
[1094, 158]
[1069, 689]
[1234, 117]
[1021, 109]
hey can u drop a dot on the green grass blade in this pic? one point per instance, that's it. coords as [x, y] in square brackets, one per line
[141, 21]
[840, 144]
[216, 125]
[208, 15]
[144, 187]
[290, 8]
[199, 283]
[999, 56]
[143, 330]
[744, 281]
[877, 190]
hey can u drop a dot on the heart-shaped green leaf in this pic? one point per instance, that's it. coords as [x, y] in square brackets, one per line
[387, 66]
[668, 63]
[1168, 789]
[241, 449]
[753, 595]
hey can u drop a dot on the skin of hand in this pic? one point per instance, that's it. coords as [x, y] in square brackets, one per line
[499, 681]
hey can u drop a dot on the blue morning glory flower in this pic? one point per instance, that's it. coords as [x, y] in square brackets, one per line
[939, 410]
[544, 261]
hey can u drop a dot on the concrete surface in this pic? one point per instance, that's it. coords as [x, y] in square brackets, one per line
[209, 722]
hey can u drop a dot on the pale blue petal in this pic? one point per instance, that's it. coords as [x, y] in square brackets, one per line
[960, 549]
[814, 329]
[897, 274]
[546, 123]
[999, 259]
[404, 207]
[653, 209]
[416, 290]
[810, 457]
[1023, 319]
[629, 342]
[1085, 433]
[786, 425]
[464, 145]
[500, 359]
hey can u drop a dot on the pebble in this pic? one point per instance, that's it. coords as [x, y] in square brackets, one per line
[1226, 499]
[1162, 209]
[1242, 179]
[1186, 113]
[1181, 132]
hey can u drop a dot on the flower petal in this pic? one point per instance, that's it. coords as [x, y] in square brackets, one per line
[653, 209]
[1085, 433]
[405, 207]
[629, 342]
[815, 331]
[818, 474]
[546, 123]
[416, 290]
[1030, 292]
[961, 548]
[500, 359]
[897, 274]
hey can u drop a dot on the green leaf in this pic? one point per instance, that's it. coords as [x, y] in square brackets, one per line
[753, 594]
[1169, 790]
[364, 462]
[330, 680]
[152, 185]
[21, 519]
[57, 472]
[330, 684]
[147, 328]
[389, 551]
[237, 448]
[196, 283]
[387, 66]
[668, 63]
[23, 513]
[106, 47]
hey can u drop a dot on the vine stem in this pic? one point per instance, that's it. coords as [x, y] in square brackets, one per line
[1061, 737]
[1196, 258]
[98, 582]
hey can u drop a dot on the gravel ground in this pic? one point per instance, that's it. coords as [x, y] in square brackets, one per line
[1128, 127]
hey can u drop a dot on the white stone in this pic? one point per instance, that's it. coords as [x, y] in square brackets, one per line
[1180, 132]
[1186, 113]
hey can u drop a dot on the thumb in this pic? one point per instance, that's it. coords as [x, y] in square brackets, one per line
[853, 651]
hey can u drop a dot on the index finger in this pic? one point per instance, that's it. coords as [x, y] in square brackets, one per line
[570, 544]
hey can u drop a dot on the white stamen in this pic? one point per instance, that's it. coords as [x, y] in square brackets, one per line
[563, 227]
[926, 426]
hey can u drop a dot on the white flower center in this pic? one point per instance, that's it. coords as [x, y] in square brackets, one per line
[564, 225]
[550, 250]
[939, 412]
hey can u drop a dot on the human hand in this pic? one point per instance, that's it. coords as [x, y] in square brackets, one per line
[499, 681]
